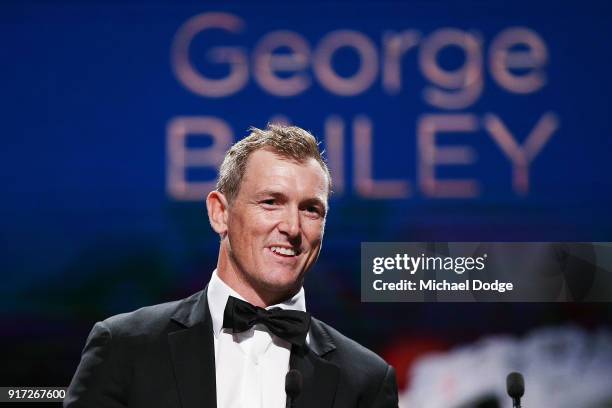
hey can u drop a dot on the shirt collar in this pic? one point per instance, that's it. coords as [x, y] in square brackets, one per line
[219, 291]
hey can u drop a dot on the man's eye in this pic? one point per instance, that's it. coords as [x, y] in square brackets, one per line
[314, 210]
[270, 201]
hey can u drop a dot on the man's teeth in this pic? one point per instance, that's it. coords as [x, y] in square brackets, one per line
[283, 251]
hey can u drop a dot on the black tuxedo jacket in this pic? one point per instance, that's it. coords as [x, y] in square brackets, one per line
[164, 356]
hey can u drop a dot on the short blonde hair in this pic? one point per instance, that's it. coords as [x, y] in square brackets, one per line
[290, 142]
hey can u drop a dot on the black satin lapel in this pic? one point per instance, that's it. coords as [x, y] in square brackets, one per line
[320, 380]
[193, 356]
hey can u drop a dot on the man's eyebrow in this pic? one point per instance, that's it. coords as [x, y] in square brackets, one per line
[279, 194]
[268, 192]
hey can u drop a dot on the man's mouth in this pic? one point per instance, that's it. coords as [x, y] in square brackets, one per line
[283, 251]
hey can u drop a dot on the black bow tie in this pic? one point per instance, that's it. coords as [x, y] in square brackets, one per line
[289, 325]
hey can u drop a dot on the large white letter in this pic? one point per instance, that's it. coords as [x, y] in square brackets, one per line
[334, 145]
[368, 62]
[430, 155]
[234, 56]
[266, 63]
[180, 157]
[364, 181]
[521, 156]
[395, 46]
[460, 87]
[502, 60]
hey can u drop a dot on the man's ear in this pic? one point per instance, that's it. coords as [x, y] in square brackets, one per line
[217, 207]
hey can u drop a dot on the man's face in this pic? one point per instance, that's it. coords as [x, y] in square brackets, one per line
[275, 224]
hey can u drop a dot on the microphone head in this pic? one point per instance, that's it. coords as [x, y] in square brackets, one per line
[293, 383]
[515, 385]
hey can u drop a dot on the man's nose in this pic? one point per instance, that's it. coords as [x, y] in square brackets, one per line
[290, 224]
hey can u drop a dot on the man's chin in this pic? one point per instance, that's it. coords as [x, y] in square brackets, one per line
[283, 287]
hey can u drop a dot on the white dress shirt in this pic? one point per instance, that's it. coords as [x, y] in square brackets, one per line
[250, 366]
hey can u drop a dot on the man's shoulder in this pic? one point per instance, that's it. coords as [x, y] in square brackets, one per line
[348, 349]
[147, 321]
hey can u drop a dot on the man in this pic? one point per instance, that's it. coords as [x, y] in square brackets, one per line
[232, 344]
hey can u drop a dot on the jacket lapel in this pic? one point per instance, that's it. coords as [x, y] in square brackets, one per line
[193, 353]
[319, 376]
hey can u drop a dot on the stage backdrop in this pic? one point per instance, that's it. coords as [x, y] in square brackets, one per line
[443, 120]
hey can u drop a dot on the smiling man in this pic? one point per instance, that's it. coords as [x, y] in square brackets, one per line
[233, 344]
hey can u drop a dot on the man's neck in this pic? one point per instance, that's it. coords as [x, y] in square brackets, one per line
[247, 290]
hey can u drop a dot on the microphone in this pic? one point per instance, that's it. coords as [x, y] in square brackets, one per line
[293, 386]
[515, 386]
